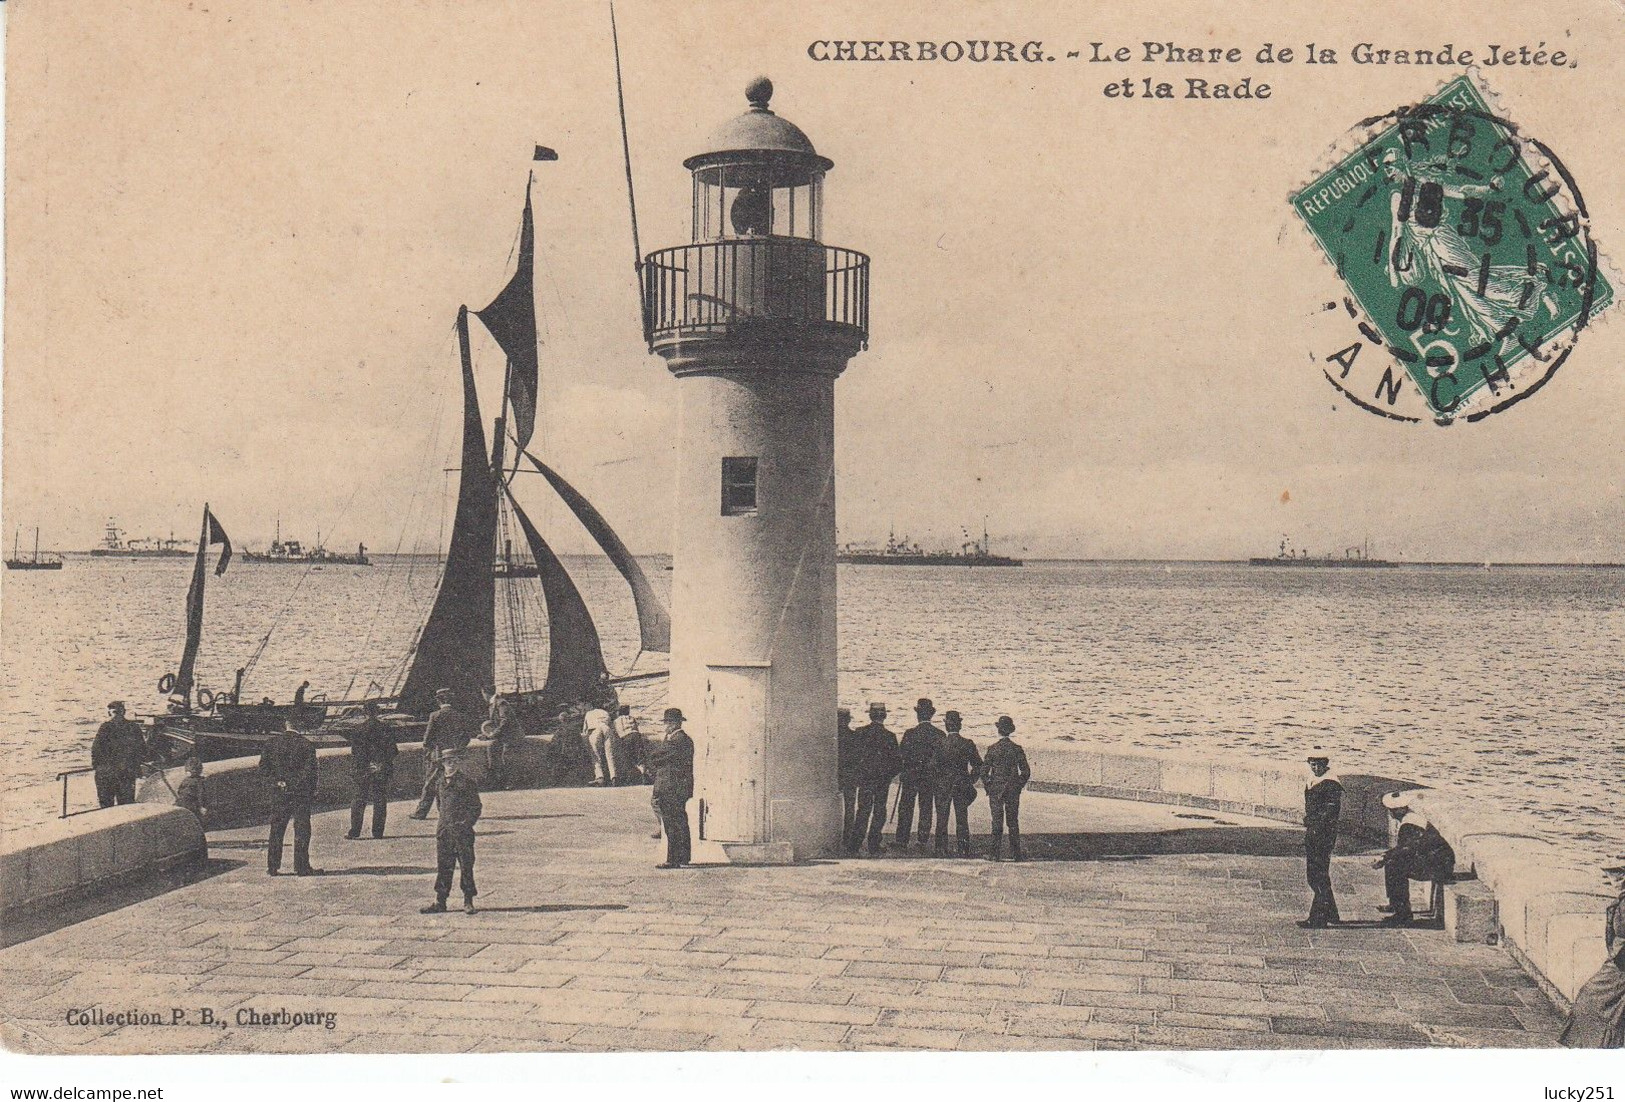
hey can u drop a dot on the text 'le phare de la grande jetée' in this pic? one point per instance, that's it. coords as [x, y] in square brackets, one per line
[1163, 53]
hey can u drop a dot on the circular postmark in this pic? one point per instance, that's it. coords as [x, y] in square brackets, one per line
[1465, 251]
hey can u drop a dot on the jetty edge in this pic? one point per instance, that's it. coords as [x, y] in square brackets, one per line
[1540, 902]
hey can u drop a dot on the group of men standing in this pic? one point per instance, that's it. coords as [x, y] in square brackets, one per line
[937, 770]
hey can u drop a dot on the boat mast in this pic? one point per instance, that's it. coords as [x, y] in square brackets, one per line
[36, 544]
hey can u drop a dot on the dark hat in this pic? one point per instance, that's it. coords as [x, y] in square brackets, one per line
[626, 710]
[952, 719]
[115, 706]
[843, 713]
[673, 715]
[1005, 725]
[1317, 754]
[876, 706]
[925, 707]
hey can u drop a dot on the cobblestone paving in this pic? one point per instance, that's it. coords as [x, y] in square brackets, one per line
[1134, 926]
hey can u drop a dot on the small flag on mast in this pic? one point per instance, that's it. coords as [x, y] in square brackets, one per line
[217, 534]
[545, 154]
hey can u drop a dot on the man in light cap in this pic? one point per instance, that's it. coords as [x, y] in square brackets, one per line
[673, 761]
[1419, 853]
[1005, 773]
[1597, 1019]
[919, 746]
[1322, 804]
[460, 809]
[878, 761]
[116, 755]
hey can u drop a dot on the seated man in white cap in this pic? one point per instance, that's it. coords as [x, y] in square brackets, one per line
[1419, 853]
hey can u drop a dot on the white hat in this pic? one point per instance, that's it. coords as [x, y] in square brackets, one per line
[1395, 801]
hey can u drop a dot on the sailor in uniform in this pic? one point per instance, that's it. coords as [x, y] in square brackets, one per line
[1322, 803]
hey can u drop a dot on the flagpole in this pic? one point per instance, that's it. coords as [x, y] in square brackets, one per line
[626, 152]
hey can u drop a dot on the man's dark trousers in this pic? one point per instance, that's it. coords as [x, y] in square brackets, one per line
[370, 788]
[1318, 853]
[911, 789]
[674, 821]
[285, 806]
[453, 846]
[871, 817]
[961, 808]
[1006, 812]
[849, 812]
[115, 790]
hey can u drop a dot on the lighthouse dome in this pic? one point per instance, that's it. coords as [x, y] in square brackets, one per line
[759, 131]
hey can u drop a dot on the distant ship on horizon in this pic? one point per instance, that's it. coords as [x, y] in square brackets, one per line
[900, 552]
[294, 552]
[114, 545]
[1352, 558]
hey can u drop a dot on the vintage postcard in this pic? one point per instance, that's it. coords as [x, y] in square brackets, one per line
[536, 527]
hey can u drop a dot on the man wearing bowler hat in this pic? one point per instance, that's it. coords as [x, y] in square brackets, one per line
[918, 748]
[878, 761]
[1004, 774]
[1322, 803]
[954, 772]
[673, 761]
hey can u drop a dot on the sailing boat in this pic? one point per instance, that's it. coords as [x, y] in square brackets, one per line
[17, 562]
[456, 646]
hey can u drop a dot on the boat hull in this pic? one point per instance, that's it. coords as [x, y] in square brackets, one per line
[24, 564]
[882, 559]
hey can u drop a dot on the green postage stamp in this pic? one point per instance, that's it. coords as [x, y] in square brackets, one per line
[1465, 249]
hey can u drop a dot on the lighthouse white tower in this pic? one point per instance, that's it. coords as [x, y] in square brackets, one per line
[757, 318]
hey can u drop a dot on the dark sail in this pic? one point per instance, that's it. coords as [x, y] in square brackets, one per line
[511, 319]
[575, 660]
[211, 533]
[456, 647]
[654, 623]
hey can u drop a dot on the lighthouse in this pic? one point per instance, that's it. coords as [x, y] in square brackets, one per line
[756, 318]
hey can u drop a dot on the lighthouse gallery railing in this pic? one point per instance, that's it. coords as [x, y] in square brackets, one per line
[716, 287]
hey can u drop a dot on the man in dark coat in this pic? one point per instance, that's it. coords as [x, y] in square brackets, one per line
[673, 762]
[503, 728]
[918, 748]
[846, 769]
[460, 809]
[1419, 853]
[448, 729]
[878, 761]
[372, 763]
[1004, 774]
[289, 764]
[955, 768]
[1322, 803]
[116, 755]
[1597, 1019]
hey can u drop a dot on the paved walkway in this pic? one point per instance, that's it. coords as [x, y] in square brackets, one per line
[1159, 928]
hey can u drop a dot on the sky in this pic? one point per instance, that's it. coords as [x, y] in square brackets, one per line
[238, 235]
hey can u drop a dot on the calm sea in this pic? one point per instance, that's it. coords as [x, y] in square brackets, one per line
[1505, 683]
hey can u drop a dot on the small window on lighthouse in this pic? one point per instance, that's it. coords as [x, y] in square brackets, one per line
[739, 486]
